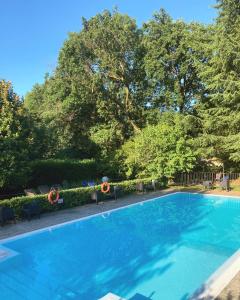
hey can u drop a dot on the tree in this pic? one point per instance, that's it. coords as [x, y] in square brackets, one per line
[221, 111]
[15, 138]
[104, 64]
[159, 150]
[170, 62]
[99, 81]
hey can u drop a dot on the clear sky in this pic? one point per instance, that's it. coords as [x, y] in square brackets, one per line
[33, 31]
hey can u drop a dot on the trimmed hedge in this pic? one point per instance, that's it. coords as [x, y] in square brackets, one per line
[72, 197]
[54, 171]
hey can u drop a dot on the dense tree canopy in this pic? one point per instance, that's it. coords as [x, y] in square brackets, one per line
[221, 111]
[170, 62]
[15, 138]
[155, 100]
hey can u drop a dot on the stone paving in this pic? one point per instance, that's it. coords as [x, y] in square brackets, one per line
[232, 291]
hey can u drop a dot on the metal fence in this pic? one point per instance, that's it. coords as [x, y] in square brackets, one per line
[199, 177]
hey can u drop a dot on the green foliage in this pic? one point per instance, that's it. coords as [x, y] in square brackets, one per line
[72, 197]
[159, 150]
[15, 138]
[169, 92]
[170, 62]
[221, 112]
[99, 82]
[107, 137]
[56, 171]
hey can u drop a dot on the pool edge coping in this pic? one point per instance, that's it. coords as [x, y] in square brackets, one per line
[219, 279]
[223, 275]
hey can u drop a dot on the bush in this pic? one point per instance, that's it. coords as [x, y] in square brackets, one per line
[54, 171]
[158, 150]
[72, 197]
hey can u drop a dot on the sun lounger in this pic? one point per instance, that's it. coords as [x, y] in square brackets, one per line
[151, 186]
[140, 187]
[224, 184]
[30, 192]
[207, 184]
[43, 189]
[218, 177]
[31, 209]
[114, 193]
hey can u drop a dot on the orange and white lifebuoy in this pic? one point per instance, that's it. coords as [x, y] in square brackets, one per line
[50, 196]
[105, 187]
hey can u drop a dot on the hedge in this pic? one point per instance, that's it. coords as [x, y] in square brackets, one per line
[72, 197]
[53, 171]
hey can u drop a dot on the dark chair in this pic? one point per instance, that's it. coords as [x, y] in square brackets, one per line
[91, 183]
[224, 184]
[31, 209]
[95, 196]
[6, 214]
[140, 187]
[114, 193]
[151, 186]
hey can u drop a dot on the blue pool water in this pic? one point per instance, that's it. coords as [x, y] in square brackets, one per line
[161, 249]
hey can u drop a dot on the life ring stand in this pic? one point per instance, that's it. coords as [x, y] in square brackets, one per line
[50, 196]
[105, 187]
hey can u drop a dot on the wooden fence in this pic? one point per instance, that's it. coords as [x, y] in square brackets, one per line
[199, 177]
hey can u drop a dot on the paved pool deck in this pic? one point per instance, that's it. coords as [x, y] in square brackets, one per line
[231, 292]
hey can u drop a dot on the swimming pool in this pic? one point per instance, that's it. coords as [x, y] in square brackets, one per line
[161, 249]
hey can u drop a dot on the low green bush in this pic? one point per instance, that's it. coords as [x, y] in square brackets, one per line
[72, 197]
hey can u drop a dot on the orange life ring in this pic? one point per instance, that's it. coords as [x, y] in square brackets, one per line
[103, 185]
[52, 201]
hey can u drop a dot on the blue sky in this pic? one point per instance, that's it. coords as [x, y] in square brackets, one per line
[33, 31]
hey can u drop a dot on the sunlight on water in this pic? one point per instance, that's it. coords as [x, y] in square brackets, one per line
[164, 249]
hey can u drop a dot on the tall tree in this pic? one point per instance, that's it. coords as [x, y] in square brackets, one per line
[170, 62]
[15, 138]
[105, 61]
[221, 111]
[99, 80]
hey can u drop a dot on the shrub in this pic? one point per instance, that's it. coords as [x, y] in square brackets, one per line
[158, 150]
[72, 197]
[54, 171]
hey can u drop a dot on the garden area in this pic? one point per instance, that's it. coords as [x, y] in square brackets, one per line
[159, 100]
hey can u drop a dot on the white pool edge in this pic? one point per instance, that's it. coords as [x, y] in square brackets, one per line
[221, 278]
[217, 282]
